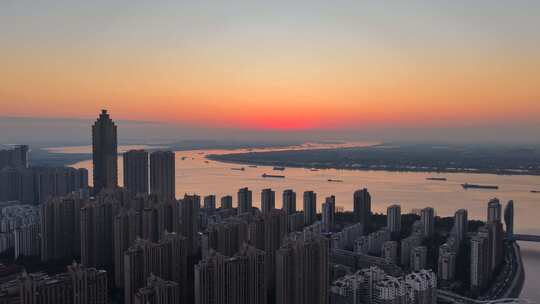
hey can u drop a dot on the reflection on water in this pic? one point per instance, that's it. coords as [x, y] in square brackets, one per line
[196, 175]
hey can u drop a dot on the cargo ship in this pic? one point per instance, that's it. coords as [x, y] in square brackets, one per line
[442, 179]
[335, 180]
[535, 191]
[239, 169]
[279, 168]
[252, 166]
[273, 176]
[474, 186]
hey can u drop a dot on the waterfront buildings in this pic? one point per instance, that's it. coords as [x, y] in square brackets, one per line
[310, 207]
[428, 221]
[244, 200]
[393, 218]
[136, 171]
[461, 224]
[289, 201]
[268, 200]
[328, 213]
[162, 174]
[226, 202]
[104, 153]
[362, 207]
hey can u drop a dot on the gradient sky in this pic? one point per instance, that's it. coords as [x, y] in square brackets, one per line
[274, 65]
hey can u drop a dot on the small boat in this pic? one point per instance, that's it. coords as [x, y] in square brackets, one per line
[279, 168]
[238, 169]
[474, 186]
[273, 175]
[252, 166]
[313, 170]
[442, 179]
[535, 191]
[206, 161]
[184, 158]
[335, 180]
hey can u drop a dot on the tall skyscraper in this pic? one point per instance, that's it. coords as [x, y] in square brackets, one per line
[210, 202]
[310, 207]
[268, 200]
[244, 200]
[393, 218]
[289, 201]
[479, 262]
[428, 221]
[494, 210]
[136, 171]
[362, 207]
[162, 174]
[328, 213]
[509, 218]
[302, 270]
[461, 224]
[226, 202]
[104, 153]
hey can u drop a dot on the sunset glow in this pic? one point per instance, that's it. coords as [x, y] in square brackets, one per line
[279, 67]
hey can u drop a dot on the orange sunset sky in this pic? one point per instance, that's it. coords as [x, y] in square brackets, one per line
[275, 66]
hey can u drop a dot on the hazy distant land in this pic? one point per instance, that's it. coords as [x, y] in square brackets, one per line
[508, 160]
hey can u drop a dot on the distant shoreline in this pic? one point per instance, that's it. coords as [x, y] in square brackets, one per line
[378, 158]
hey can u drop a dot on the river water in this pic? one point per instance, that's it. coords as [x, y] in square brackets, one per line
[195, 174]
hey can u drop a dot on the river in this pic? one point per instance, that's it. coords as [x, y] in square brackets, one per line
[195, 174]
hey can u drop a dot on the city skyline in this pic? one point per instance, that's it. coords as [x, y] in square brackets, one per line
[279, 67]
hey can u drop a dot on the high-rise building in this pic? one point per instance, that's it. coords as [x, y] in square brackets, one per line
[79, 285]
[407, 244]
[509, 219]
[60, 228]
[210, 202]
[240, 279]
[446, 265]
[158, 291]
[226, 202]
[136, 171]
[328, 213]
[289, 201]
[166, 259]
[162, 174]
[225, 237]
[244, 200]
[268, 200]
[362, 207]
[15, 156]
[461, 224]
[27, 241]
[104, 153]
[189, 221]
[390, 251]
[494, 210]
[97, 249]
[418, 258]
[310, 207]
[393, 218]
[89, 285]
[428, 221]
[479, 262]
[127, 227]
[302, 270]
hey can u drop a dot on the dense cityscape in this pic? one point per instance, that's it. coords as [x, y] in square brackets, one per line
[62, 241]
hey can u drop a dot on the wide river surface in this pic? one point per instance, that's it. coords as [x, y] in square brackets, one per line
[195, 174]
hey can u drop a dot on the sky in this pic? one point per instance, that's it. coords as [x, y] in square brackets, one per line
[332, 67]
